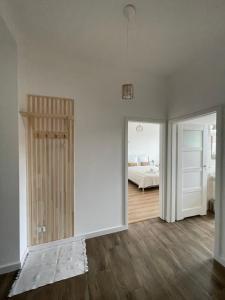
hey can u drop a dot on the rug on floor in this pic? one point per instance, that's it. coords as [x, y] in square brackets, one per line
[46, 266]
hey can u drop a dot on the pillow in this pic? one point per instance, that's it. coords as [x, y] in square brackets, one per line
[132, 158]
[144, 163]
[154, 169]
[132, 164]
[143, 158]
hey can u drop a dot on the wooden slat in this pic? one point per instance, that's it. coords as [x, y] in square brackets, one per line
[45, 115]
[50, 165]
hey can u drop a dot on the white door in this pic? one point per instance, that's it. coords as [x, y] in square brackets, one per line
[191, 171]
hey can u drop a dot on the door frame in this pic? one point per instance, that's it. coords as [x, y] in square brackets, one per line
[172, 170]
[163, 164]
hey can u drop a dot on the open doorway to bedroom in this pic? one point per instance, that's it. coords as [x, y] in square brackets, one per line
[143, 171]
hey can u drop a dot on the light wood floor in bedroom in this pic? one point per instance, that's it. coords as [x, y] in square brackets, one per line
[142, 205]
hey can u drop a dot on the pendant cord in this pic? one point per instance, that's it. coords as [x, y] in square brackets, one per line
[128, 89]
[127, 46]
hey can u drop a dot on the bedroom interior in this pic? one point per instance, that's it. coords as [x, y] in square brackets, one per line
[112, 149]
[143, 171]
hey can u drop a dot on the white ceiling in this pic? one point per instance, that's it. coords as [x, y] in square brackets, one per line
[166, 33]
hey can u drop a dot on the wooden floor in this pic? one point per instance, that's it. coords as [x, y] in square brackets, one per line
[142, 205]
[152, 260]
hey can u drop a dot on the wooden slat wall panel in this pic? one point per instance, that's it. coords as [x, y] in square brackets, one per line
[50, 169]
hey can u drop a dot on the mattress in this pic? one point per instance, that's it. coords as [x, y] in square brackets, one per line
[144, 176]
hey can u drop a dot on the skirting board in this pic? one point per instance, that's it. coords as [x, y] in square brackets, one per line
[10, 267]
[105, 231]
[87, 235]
[52, 244]
[17, 265]
[220, 260]
[13, 266]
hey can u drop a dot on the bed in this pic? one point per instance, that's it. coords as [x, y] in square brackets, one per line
[144, 176]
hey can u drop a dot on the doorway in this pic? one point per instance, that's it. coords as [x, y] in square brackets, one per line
[144, 170]
[194, 168]
[196, 163]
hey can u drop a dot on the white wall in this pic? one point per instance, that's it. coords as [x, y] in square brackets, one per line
[9, 160]
[144, 143]
[198, 86]
[99, 127]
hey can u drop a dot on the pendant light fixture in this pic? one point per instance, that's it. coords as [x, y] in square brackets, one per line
[128, 88]
[139, 128]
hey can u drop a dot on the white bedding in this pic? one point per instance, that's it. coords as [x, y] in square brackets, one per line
[144, 176]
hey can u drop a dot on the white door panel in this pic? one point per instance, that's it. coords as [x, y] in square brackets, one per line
[192, 138]
[191, 171]
[190, 212]
[192, 159]
[192, 199]
[192, 179]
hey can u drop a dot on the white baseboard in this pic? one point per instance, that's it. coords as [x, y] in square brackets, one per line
[17, 265]
[87, 235]
[10, 267]
[14, 265]
[220, 260]
[52, 244]
[105, 231]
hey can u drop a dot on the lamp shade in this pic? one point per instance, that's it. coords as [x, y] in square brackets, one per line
[128, 91]
[139, 128]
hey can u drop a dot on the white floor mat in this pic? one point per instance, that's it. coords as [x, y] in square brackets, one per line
[49, 265]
